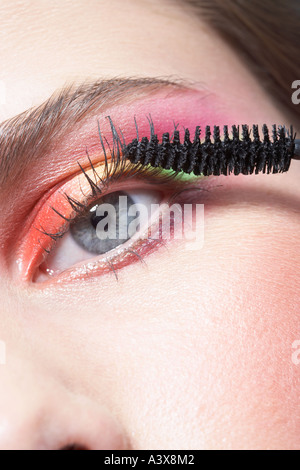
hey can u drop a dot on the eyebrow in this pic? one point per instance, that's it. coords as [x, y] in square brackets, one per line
[26, 136]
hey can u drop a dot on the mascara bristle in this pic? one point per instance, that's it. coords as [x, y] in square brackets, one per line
[217, 155]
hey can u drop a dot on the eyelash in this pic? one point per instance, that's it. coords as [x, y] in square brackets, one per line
[115, 172]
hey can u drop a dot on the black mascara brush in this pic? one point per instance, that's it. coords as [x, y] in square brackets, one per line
[242, 152]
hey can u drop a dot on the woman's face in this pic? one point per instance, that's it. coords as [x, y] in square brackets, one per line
[190, 348]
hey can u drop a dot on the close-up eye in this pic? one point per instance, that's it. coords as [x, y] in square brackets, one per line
[106, 217]
[103, 231]
[149, 227]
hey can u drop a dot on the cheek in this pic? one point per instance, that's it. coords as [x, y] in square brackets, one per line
[195, 349]
[209, 362]
[239, 317]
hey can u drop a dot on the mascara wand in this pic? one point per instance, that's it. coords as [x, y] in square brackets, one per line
[239, 153]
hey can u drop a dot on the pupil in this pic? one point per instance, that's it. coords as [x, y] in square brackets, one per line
[96, 219]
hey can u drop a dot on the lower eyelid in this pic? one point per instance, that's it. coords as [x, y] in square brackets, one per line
[132, 251]
[96, 266]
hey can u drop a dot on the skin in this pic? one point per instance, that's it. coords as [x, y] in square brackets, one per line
[193, 350]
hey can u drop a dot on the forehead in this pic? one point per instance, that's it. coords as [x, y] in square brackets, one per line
[44, 45]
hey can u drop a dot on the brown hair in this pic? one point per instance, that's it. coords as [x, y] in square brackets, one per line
[267, 35]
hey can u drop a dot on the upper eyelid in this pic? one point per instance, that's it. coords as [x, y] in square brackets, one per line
[25, 138]
[116, 172]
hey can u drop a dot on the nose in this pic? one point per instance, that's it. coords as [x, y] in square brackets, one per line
[38, 414]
